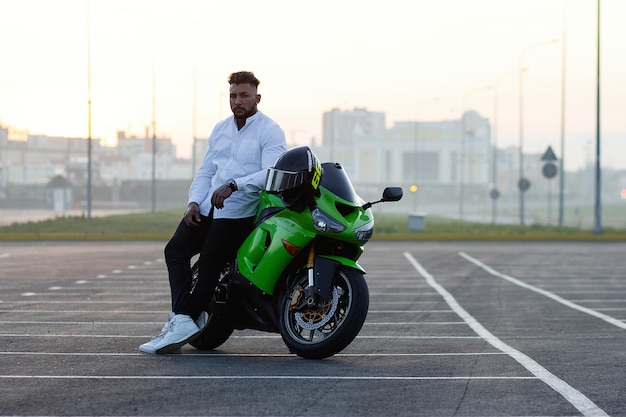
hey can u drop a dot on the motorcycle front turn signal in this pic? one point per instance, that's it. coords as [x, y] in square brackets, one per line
[290, 247]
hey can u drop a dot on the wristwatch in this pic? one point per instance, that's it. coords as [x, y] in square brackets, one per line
[231, 184]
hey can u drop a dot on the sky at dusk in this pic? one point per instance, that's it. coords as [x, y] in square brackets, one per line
[414, 60]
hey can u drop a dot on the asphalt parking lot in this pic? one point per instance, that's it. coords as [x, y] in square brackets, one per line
[454, 329]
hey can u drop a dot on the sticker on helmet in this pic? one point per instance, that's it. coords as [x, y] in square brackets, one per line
[317, 175]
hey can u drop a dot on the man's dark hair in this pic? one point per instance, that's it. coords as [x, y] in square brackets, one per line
[243, 77]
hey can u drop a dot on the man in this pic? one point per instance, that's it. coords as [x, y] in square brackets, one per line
[223, 199]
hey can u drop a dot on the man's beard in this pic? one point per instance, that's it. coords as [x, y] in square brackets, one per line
[246, 113]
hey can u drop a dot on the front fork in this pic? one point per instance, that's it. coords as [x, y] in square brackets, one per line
[320, 273]
[298, 302]
[309, 291]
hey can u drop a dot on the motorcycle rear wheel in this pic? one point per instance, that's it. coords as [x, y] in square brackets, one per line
[324, 330]
[214, 333]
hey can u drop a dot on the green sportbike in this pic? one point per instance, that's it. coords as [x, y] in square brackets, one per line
[297, 273]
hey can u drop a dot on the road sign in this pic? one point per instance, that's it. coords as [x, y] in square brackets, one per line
[549, 170]
[523, 184]
[549, 155]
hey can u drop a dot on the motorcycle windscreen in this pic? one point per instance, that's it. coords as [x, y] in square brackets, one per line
[335, 179]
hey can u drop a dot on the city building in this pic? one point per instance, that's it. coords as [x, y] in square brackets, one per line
[439, 160]
[119, 173]
[443, 152]
[447, 167]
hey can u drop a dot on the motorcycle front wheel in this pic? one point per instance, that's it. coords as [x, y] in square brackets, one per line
[328, 327]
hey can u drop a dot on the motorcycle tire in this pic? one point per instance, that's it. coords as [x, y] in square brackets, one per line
[328, 328]
[212, 335]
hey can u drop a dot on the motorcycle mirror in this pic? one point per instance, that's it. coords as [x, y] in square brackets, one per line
[392, 194]
[389, 194]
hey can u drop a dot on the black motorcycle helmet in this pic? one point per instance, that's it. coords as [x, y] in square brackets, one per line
[296, 177]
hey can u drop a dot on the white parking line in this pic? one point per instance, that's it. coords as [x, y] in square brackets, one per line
[573, 396]
[548, 294]
[408, 311]
[90, 302]
[89, 323]
[80, 312]
[401, 302]
[268, 336]
[274, 377]
[248, 355]
[86, 291]
[135, 323]
[410, 323]
[162, 312]
[421, 293]
[592, 291]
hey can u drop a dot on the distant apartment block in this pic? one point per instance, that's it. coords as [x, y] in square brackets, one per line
[442, 152]
[35, 159]
[447, 161]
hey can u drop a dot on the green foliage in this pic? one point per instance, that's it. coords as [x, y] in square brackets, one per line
[133, 225]
[160, 225]
[435, 227]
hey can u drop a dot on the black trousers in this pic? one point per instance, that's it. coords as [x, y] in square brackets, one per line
[217, 241]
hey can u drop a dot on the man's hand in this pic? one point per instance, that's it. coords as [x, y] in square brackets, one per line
[219, 195]
[192, 215]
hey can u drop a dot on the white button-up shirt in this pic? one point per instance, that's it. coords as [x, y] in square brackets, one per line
[243, 155]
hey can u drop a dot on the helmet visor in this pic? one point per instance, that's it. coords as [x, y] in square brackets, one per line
[278, 180]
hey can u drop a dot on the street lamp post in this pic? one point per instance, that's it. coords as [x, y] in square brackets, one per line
[563, 102]
[523, 183]
[495, 193]
[154, 144]
[462, 152]
[194, 123]
[89, 140]
[597, 228]
[416, 137]
[194, 111]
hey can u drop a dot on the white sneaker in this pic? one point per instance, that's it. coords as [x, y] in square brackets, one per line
[150, 347]
[182, 329]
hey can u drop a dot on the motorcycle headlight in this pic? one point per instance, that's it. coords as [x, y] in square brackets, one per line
[365, 232]
[325, 223]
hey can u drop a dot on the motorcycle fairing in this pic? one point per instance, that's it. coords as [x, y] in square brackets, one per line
[263, 257]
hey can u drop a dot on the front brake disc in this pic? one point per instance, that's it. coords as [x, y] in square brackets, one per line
[316, 320]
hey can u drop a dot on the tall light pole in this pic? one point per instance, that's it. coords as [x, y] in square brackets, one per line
[495, 193]
[462, 152]
[563, 102]
[416, 137]
[194, 144]
[597, 228]
[194, 123]
[153, 132]
[89, 197]
[523, 183]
